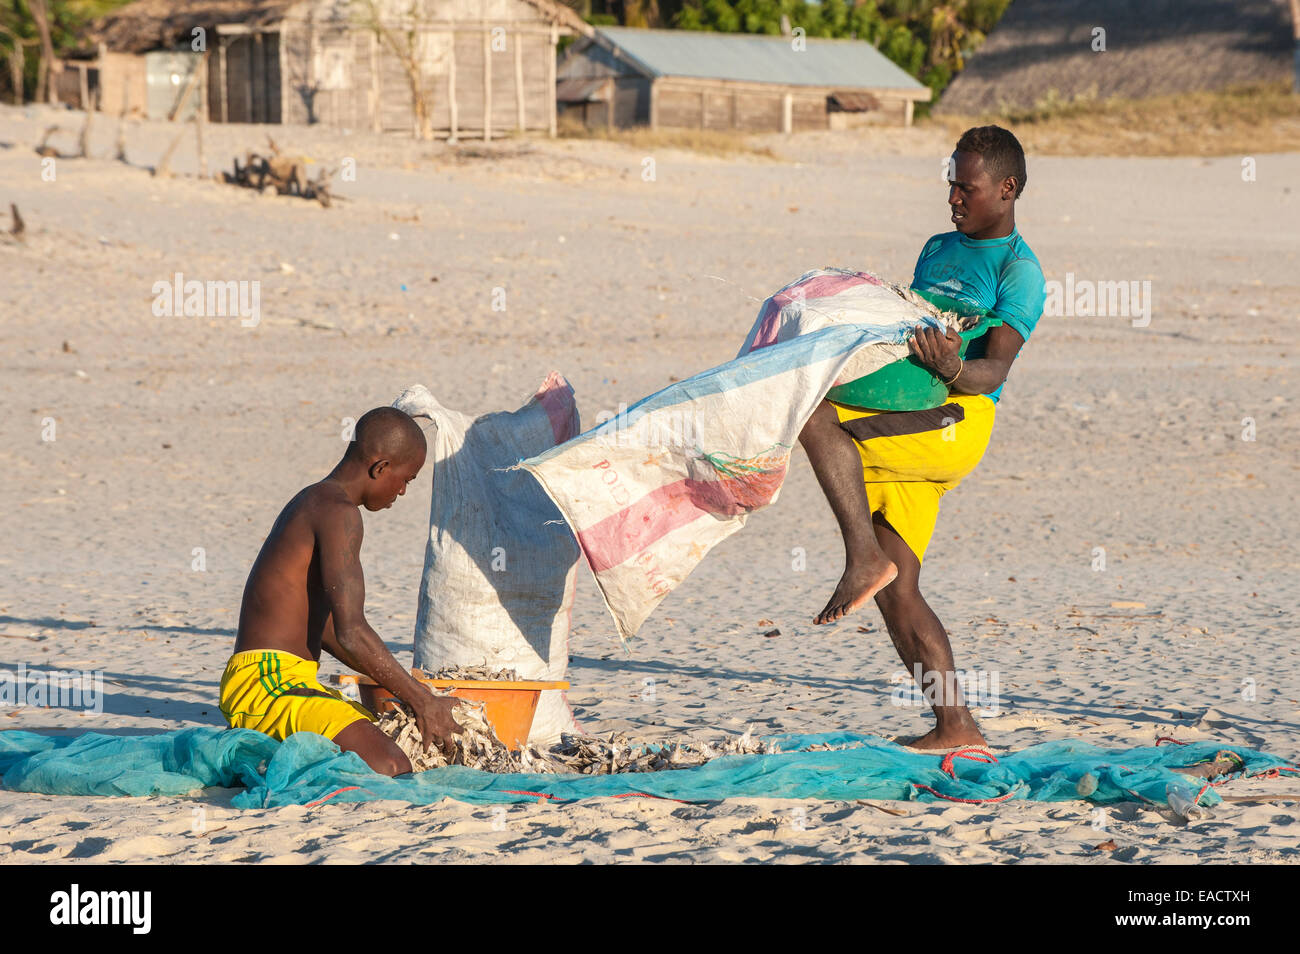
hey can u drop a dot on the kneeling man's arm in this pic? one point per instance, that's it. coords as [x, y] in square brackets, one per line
[350, 639]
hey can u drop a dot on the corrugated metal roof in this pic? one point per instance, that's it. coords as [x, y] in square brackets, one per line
[759, 58]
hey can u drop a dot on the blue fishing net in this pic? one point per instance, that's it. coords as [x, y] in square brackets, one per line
[309, 768]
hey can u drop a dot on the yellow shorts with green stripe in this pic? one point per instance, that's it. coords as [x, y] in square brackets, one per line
[912, 458]
[277, 693]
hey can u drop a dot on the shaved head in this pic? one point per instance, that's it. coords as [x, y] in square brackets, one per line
[387, 433]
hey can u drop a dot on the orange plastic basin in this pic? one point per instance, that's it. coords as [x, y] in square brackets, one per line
[508, 706]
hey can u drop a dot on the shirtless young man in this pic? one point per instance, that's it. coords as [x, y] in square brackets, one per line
[306, 592]
[884, 472]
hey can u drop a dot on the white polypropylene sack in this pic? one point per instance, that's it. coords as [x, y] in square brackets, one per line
[499, 569]
[650, 492]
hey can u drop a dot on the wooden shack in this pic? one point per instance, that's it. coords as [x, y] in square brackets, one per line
[480, 66]
[619, 76]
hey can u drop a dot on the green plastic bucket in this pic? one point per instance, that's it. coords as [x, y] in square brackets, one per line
[906, 384]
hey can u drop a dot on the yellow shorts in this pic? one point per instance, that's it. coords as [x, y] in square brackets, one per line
[912, 458]
[277, 693]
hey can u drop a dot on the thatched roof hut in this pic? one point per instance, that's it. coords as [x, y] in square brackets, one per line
[480, 64]
[166, 24]
[1151, 48]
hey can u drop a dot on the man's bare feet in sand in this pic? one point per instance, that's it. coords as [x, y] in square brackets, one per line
[863, 578]
[934, 739]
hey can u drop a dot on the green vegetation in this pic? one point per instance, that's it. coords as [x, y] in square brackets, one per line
[20, 25]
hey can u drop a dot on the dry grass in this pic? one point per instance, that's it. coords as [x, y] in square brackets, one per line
[1239, 121]
[709, 142]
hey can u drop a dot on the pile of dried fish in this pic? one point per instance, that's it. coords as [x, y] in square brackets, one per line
[616, 753]
[478, 747]
[480, 673]
[950, 318]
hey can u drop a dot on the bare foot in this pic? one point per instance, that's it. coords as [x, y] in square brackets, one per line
[947, 740]
[861, 581]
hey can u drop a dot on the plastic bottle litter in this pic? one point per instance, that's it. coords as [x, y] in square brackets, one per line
[1182, 799]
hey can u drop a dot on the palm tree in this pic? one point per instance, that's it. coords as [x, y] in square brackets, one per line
[10, 27]
[47, 69]
[948, 33]
[1295, 32]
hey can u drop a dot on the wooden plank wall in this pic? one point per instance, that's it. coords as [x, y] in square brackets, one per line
[253, 86]
[239, 61]
[272, 109]
[719, 109]
[302, 99]
[213, 86]
[679, 107]
[378, 95]
[298, 107]
[892, 112]
[469, 50]
[631, 101]
[360, 114]
[810, 113]
[539, 91]
[705, 106]
[395, 94]
[122, 74]
[758, 112]
[699, 104]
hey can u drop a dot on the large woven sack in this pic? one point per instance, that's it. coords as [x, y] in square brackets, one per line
[499, 568]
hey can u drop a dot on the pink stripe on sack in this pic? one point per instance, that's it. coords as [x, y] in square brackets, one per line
[821, 286]
[634, 529]
[556, 397]
[767, 329]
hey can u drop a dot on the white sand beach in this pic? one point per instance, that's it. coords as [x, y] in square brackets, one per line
[175, 433]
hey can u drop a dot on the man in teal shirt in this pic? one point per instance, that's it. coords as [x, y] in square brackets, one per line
[884, 472]
[1000, 275]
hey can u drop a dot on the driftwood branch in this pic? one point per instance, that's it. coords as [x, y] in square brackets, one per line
[163, 169]
[121, 121]
[200, 111]
[45, 150]
[281, 174]
[19, 228]
[188, 91]
[84, 139]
